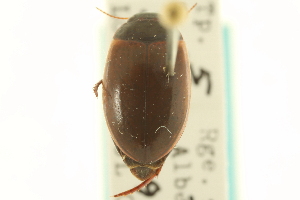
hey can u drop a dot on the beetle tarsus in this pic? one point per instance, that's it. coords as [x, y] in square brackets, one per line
[95, 88]
[140, 186]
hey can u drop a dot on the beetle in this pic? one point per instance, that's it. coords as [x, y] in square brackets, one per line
[145, 109]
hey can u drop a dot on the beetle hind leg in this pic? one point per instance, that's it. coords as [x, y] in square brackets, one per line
[140, 186]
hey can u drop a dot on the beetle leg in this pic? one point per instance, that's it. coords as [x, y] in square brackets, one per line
[140, 186]
[95, 88]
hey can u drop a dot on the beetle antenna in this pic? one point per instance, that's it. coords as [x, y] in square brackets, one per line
[192, 7]
[112, 15]
[140, 186]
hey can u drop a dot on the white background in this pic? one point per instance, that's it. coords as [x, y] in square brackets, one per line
[267, 67]
[49, 58]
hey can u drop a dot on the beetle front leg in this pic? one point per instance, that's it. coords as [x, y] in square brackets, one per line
[95, 88]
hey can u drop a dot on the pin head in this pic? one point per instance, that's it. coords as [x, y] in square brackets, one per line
[173, 14]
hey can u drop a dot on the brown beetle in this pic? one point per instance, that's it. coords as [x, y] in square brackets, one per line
[145, 109]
